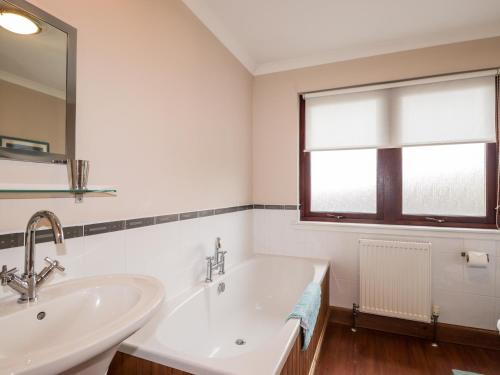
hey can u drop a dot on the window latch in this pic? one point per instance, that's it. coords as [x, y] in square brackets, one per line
[435, 220]
[338, 217]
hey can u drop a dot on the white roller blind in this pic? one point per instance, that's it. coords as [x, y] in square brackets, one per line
[459, 111]
[347, 121]
[453, 109]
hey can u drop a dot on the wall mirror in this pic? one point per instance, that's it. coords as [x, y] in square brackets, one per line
[37, 84]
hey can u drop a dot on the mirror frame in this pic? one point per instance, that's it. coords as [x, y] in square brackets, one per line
[70, 90]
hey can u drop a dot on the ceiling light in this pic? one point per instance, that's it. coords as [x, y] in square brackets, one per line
[17, 23]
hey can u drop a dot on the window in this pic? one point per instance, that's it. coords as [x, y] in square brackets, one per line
[415, 153]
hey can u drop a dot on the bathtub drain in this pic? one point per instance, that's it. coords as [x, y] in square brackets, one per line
[240, 342]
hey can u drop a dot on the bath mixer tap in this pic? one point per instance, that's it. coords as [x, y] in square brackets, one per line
[28, 283]
[217, 261]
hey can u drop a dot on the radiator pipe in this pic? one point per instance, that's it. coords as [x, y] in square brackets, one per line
[355, 313]
[434, 319]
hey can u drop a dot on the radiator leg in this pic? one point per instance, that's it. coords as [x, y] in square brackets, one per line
[434, 319]
[355, 312]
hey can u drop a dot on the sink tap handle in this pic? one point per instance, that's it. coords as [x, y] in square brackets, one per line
[55, 264]
[5, 275]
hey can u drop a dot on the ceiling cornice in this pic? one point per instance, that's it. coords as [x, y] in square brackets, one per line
[355, 53]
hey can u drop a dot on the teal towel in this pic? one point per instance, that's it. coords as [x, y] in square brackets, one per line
[460, 372]
[307, 310]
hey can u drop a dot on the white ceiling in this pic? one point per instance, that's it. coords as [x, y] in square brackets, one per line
[275, 35]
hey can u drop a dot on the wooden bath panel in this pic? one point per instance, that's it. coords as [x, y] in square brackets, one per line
[303, 363]
[297, 363]
[125, 364]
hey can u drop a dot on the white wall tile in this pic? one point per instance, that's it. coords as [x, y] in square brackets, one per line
[173, 252]
[498, 248]
[104, 254]
[467, 296]
[259, 218]
[343, 292]
[480, 245]
[147, 250]
[453, 245]
[278, 226]
[235, 231]
[466, 309]
[480, 281]
[342, 251]
[447, 271]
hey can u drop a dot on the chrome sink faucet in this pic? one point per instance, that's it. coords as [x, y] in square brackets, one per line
[217, 261]
[27, 284]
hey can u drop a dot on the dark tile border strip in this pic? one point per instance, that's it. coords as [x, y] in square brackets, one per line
[11, 240]
[206, 213]
[166, 218]
[274, 207]
[137, 223]
[100, 228]
[73, 232]
[46, 235]
[188, 215]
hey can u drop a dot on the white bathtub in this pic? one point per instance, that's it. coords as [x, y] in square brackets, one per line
[196, 331]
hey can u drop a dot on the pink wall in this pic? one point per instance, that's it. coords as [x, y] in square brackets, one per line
[275, 103]
[167, 115]
[163, 114]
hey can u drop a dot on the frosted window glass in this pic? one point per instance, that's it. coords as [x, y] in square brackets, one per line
[447, 180]
[344, 181]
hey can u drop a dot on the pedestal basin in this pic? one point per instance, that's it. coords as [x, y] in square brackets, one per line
[75, 326]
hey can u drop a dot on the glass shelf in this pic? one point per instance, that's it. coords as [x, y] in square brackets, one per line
[55, 190]
[8, 191]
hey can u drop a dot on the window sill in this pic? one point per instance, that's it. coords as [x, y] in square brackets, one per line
[400, 230]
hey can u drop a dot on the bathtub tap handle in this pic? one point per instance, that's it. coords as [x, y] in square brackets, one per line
[210, 267]
[217, 252]
[222, 262]
[217, 261]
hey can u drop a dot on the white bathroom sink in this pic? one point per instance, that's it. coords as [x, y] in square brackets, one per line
[75, 326]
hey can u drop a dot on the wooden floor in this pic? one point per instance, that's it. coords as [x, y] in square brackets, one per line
[373, 353]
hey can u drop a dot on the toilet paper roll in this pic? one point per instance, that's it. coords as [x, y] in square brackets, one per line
[477, 259]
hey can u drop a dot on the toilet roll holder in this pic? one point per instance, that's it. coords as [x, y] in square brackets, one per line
[466, 256]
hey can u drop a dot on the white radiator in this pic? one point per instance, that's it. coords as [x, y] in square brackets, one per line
[395, 279]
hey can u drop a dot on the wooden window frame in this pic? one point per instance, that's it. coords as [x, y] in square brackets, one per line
[390, 192]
